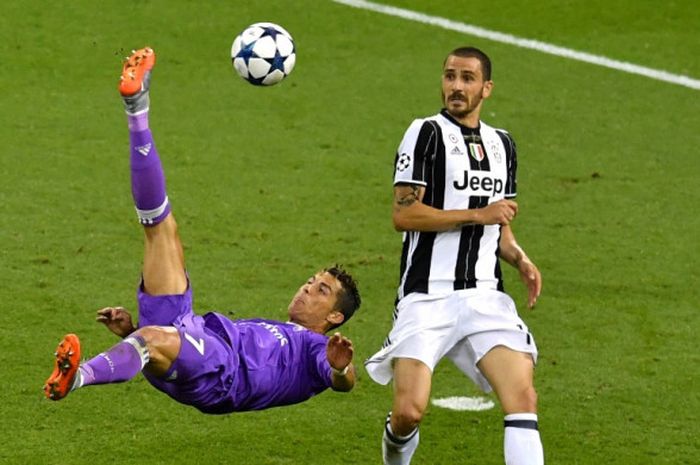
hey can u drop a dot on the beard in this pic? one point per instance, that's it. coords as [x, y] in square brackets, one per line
[459, 112]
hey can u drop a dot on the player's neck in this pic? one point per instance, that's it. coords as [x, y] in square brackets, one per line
[470, 120]
[319, 330]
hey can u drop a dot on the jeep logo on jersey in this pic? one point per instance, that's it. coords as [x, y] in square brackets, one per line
[479, 183]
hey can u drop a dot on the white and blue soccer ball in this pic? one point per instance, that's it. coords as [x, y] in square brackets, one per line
[263, 54]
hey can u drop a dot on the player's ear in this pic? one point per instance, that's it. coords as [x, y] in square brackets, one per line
[335, 317]
[486, 91]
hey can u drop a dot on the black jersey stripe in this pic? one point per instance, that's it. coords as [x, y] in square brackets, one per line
[405, 249]
[435, 171]
[417, 276]
[472, 136]
[511, 187]
[497, 269]
[423, 150]
[465, 271]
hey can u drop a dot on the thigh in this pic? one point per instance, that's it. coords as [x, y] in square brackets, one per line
[510, 374]
[412, 382]
[163, 259]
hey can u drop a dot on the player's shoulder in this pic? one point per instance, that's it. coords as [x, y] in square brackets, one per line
[504, 134]
[488, 127]
[422, 121]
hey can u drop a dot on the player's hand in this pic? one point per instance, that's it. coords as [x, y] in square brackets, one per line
[501, 212]
[117, 320]
[339, 351]
[533, 280]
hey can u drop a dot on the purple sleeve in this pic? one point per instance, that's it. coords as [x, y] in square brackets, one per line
[320, 369]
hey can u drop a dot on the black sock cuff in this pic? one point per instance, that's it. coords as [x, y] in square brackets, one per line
[526, 424]
[393, 438]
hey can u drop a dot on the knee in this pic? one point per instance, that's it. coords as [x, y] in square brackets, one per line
[521, 401]
[406, 416]
[159, 339]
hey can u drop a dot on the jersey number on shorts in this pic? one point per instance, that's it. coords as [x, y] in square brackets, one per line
[199, 345]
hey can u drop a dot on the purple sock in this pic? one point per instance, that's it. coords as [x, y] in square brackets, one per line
[118, 364]
[147, 178]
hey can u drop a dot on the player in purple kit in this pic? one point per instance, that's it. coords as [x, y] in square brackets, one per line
[211, 362]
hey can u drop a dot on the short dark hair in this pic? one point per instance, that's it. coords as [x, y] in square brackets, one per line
[349, 297]
[473, 52]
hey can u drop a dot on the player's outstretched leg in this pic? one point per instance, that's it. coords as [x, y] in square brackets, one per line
[67, 354]
[147, 178]
[120, 363]
[164, 263]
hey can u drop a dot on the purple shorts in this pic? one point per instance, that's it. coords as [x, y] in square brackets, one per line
[204, 371]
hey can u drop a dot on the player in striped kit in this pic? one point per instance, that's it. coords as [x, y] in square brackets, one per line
[454, 185]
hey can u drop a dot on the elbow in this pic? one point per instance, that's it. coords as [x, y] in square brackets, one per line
[400, 223]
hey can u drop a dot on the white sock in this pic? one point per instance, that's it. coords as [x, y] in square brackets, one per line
[78, 380]
[521, 441]
[398, 450]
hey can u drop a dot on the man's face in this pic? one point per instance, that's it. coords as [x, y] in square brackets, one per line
[463, 86]
[313, 306]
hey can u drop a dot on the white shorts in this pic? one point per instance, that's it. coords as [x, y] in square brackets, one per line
[462, 325]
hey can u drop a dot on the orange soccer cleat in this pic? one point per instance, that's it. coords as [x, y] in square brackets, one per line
[61, 380]
[136, 72]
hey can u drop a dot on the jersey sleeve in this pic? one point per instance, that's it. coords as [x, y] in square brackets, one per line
[416, 150]
[511, 189]
[319, 368]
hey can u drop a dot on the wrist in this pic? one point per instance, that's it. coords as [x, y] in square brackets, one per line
[342, 372]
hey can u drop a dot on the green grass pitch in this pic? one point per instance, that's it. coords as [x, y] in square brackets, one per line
[270, 184]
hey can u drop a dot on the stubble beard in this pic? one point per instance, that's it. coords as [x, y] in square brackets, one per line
[469, 107]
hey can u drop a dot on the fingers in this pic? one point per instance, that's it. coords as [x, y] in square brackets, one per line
[504, 211]
[511, 210]
[340, 340]
[108, 314]
[534, 287]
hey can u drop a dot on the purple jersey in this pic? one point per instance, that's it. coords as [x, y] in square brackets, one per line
[278, 363]
[236, 365]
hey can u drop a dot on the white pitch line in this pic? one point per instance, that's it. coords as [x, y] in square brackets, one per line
[537, 45]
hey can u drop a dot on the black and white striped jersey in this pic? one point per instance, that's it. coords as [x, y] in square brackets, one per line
[460, 168]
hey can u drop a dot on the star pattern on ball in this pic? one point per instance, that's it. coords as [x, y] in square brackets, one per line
[247, 53]
[271, 31]
[277, 62]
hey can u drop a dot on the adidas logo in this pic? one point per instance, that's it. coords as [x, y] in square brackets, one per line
[144, 149]
[456, 151]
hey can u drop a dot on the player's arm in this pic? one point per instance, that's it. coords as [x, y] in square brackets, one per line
[512, 253]
[411, 214]
[117, 320]
[339, 352]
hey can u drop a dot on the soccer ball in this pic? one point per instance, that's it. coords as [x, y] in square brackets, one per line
[263, 54]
